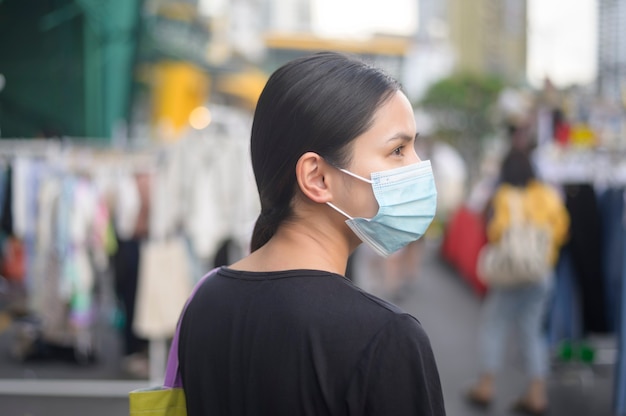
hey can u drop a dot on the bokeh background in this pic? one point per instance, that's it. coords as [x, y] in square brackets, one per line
[125, 176]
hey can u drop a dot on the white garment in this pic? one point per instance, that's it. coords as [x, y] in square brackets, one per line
[163, 287]
[44, 243]
[450, 172]
[205, 222]
[48, 194]
[78, 276]
[83, 212]
[165, 196]
[246, 205]
[220, 194]
[20, 191]
[127, 206]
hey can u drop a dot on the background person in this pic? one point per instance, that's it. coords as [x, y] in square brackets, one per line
[524, 305]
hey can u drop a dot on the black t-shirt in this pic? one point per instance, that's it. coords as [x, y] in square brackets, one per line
[302, 342]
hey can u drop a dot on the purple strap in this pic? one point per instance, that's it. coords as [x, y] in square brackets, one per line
[172, 372]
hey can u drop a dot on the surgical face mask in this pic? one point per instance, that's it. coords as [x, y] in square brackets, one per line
[407, 200]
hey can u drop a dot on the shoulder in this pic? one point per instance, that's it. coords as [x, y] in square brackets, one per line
[500, 193]
[399, 346]
[405, 323]
[539, 186]
[397, 372]
[544, 191]
[401, 336]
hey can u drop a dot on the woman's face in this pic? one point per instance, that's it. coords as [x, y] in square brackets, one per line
[388, 144]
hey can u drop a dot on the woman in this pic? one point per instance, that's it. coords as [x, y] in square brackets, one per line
[282, 331]
[524, 305]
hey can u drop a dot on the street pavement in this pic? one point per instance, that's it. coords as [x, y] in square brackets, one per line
[445, 305]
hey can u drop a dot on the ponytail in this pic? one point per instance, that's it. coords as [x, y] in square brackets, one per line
[266, 226]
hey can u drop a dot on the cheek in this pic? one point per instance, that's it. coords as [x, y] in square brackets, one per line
[372, 207]
[363, 201]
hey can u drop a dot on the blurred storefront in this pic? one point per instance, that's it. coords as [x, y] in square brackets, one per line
[67, 66]
[150, 88]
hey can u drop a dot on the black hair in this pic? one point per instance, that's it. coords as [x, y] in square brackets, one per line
[517, 169]
[318, 103]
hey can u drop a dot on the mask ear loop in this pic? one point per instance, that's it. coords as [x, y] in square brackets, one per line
[354, 175]
[333, 206]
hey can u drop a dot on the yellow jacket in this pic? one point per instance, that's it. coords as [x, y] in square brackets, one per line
[541, 205]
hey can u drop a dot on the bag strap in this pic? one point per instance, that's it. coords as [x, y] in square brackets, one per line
[172, 371]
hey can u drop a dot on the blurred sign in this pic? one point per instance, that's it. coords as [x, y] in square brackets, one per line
[180, 39]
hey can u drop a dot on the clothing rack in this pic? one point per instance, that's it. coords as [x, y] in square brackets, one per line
[32, 148]
[84, 157]
[76, 156]
[602, 168]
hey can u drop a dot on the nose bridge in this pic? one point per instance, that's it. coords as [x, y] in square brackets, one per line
[414, 157]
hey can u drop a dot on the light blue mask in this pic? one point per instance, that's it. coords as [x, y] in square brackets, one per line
[407, 200]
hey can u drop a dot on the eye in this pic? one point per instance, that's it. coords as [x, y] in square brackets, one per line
[398, 150]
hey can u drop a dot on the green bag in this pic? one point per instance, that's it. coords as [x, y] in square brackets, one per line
[168, 400]
[158, 401]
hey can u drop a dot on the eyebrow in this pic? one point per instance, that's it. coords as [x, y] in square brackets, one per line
[403, 137]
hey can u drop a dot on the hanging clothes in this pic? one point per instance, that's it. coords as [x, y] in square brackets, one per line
[47, 263]
[127, 206]
[80, 276]
[620, 368]
[163, 287]
[131, 227]
[125, 263]
[564, 317]
[585, 245]
[4, 178]
[611, 207]
[221, 193]
[6, 222]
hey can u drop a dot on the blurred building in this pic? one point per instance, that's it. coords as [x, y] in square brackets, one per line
[289, 15]
[611, 76]
[432, 20]
[67, 66]
[489, 36]
[298, 27]
[431, 57]
[98, 64]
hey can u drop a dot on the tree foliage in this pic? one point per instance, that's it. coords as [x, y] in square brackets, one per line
[461, 107]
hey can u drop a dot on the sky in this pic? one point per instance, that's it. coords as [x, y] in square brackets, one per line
[361, 17]
[561, 33]
[562, 40]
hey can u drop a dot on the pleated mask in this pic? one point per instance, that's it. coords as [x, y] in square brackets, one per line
[407, 200]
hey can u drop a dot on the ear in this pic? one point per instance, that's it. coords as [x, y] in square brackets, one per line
[312, 176]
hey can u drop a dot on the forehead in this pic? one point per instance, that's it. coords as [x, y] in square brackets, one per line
[393, 118]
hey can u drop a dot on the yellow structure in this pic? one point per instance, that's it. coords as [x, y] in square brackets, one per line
[246, 86]
[178, 88]
[377, 45]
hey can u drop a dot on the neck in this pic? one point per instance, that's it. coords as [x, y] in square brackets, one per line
[300, 245]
